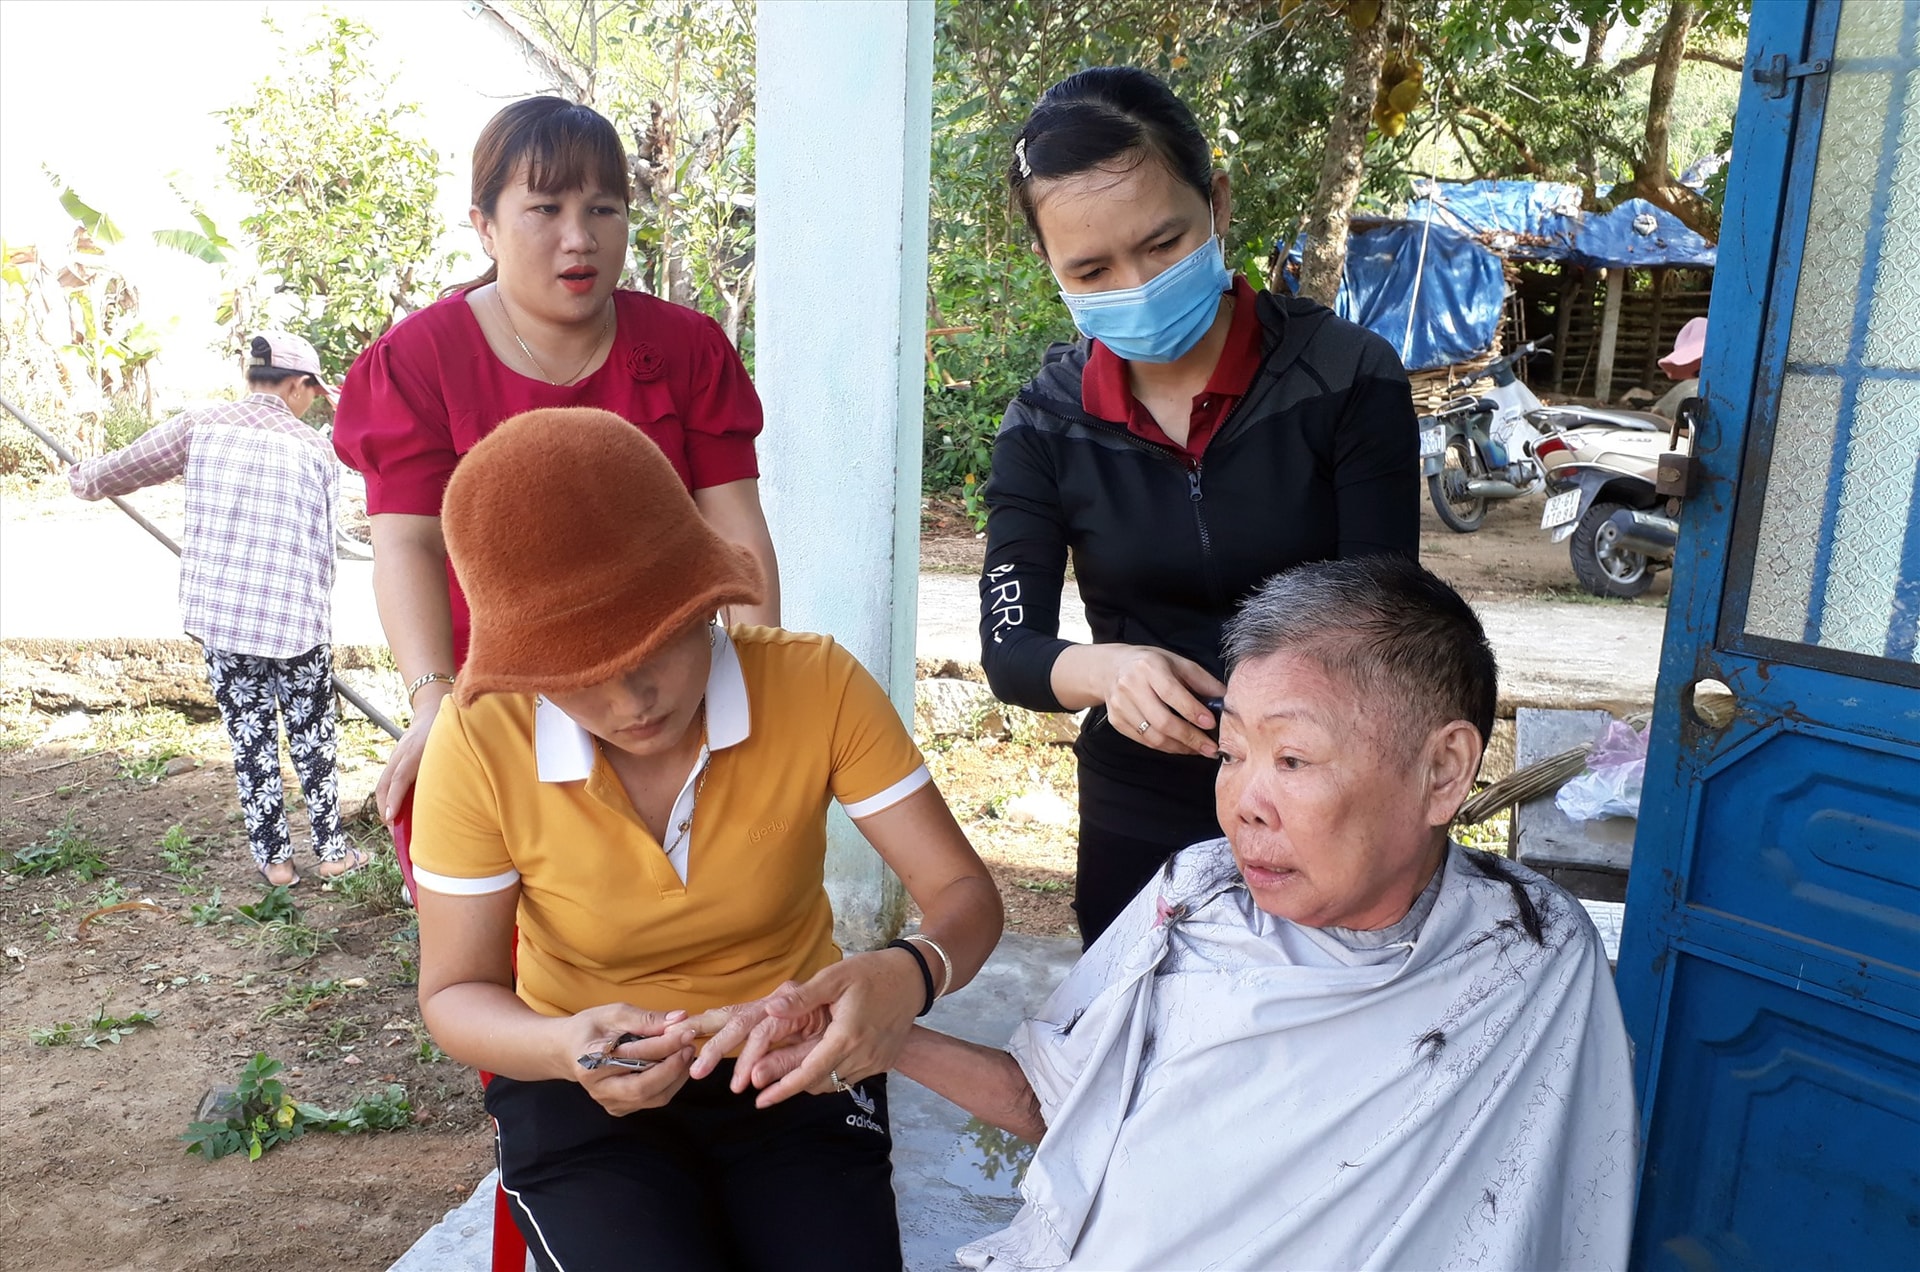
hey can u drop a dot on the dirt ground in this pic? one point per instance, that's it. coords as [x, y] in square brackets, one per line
[98, 1178]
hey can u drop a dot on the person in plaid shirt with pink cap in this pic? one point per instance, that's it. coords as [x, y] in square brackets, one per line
[256, 584]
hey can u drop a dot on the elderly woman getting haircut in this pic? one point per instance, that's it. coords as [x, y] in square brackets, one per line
[1331, 1039]
[621, 835]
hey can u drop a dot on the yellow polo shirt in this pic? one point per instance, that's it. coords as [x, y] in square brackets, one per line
[511, 791]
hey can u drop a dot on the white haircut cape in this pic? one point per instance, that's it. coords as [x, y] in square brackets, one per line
[1214, 1102]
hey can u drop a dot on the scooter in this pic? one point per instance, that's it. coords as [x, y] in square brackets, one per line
[1480, 447]
[1605, 507]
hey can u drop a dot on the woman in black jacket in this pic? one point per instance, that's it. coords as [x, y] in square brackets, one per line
[1203, 437]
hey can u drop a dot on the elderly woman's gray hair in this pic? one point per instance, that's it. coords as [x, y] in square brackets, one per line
[1394, 630]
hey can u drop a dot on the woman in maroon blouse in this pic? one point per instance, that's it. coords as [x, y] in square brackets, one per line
[547, 326]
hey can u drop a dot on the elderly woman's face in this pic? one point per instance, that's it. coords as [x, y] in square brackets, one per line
[650, 710]
[1331, 821]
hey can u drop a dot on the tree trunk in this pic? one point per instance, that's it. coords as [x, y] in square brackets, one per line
[1653, 178]
[1655, 165]
[1589, 163]
[1325, 256]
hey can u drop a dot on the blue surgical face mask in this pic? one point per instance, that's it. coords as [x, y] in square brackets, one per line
[1164, 318]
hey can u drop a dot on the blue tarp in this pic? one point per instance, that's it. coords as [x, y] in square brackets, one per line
[1542, 221]
[1462, 284]
[1507, 215]
[1638, 235]
[1461, 289]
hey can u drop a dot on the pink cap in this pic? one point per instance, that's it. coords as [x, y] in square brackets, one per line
[1688, 347]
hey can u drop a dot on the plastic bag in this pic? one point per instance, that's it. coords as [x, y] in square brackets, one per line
[1611, 785]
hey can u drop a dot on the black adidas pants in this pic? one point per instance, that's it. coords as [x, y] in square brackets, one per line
[707, 1183]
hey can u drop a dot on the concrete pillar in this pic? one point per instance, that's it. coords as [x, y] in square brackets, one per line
[1609, 333]
[844, 128]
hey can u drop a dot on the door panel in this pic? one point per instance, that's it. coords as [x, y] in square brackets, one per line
[1770, 960]
[1824, 1110]
[1818, 829]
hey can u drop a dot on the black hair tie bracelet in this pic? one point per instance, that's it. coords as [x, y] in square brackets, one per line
[926, 972]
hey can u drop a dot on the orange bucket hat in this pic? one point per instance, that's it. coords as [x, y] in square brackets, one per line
[580, 552]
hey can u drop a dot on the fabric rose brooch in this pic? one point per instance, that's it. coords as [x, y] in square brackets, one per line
[644, 363]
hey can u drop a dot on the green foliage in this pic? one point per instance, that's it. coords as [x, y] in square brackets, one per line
[343, 189]
[376, 886]
[149, 765]
[180, 854]
[275, 907]
[260, 1115]
[208, 913]
[65, 847]
[304, 998]
[101, 1031]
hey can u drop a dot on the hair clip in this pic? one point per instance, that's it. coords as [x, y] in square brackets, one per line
[1020, 157]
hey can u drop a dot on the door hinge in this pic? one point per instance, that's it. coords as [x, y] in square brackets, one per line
[1773, 73]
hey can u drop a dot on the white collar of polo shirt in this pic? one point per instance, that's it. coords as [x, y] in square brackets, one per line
[565, 752]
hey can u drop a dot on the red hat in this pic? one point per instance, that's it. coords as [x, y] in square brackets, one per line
[580, 553]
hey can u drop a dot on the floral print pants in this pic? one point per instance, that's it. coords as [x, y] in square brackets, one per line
[249, 689]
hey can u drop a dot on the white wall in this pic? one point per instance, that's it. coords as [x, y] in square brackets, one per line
[844, 119]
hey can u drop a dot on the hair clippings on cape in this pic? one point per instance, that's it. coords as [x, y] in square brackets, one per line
[1020, 157]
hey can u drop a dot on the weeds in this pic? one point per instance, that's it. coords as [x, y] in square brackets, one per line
[66, 847]
[207, 913]
[273, 922]
[150, 766]
[181, 855]
[374, 887]
[260, 1115]
[1046, 887]
[110, 893]
[103, 1030]
[303, 998]
[276, 906]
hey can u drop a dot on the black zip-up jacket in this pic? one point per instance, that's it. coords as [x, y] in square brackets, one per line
[1318, 460]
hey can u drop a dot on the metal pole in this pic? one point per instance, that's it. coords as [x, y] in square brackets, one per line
[340, 686]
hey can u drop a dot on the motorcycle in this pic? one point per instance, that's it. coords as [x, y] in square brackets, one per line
[1605, 506]
[1481, 447]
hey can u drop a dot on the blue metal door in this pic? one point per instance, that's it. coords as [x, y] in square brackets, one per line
[1770, 966]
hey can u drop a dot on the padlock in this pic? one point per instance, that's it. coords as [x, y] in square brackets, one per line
[1674, 474]
[1674, 477]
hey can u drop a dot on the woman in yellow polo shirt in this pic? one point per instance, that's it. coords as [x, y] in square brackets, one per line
[642, 795]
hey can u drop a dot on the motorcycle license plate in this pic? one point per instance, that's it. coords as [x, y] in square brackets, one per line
[1433, 441]
[1562, 508]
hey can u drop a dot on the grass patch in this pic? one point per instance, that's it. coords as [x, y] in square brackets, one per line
[181, 855]
[149, 763]
[374, 887]
[1047, 887]
[65, 847]
[102, 1031]
[304, 998]
[273, 923]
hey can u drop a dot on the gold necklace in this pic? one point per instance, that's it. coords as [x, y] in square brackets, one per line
[604, 323]
[685, 828]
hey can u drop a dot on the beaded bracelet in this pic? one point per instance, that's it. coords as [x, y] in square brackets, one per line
[926, 972]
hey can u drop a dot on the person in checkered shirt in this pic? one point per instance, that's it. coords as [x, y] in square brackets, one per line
[256, 584]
